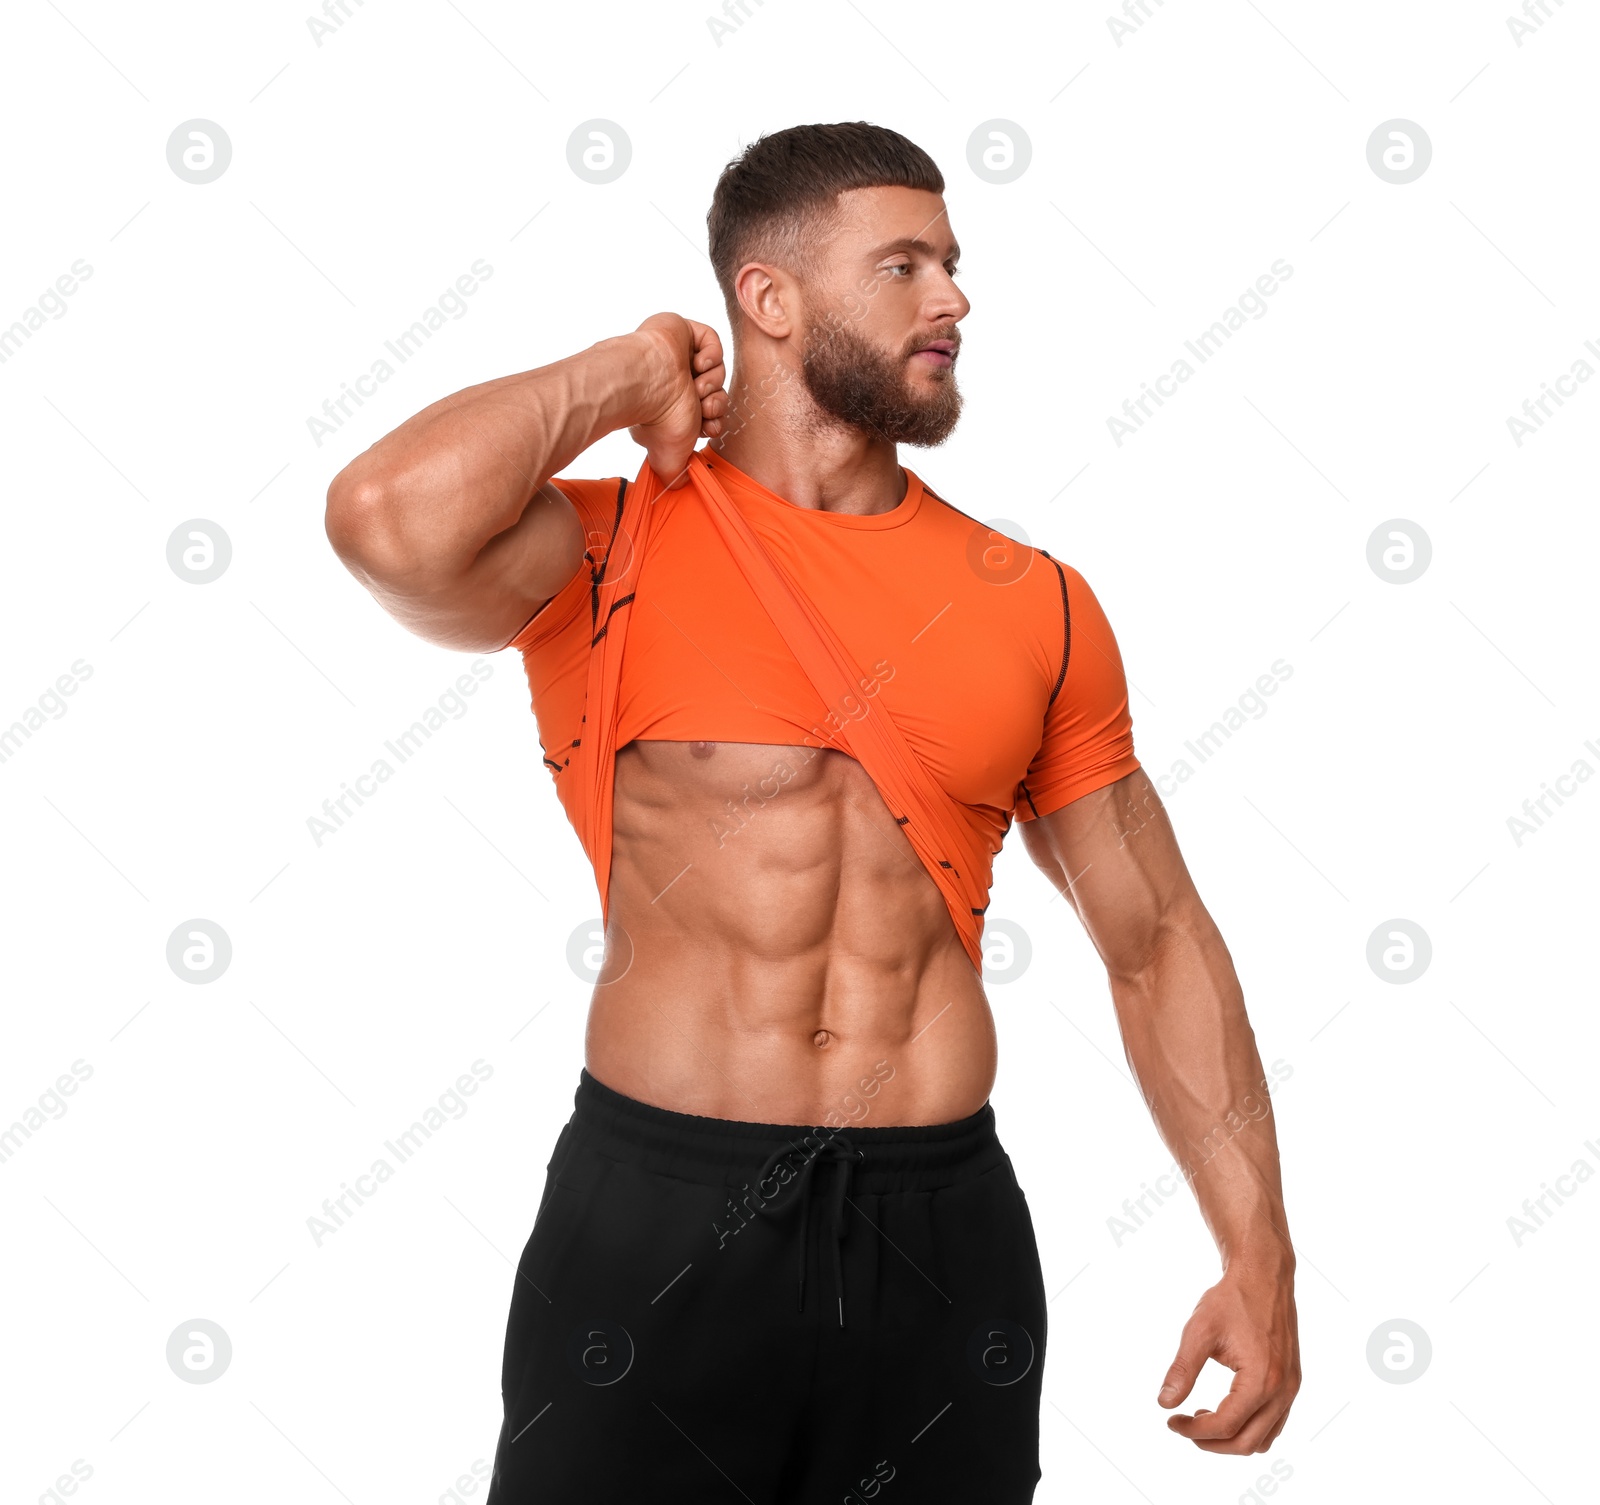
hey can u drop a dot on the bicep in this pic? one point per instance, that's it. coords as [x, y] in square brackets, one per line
[479, 604]
[1114, 856]
[522, 571]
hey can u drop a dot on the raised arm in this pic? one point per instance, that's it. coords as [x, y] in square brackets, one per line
[451, 521]
[1193, 1053]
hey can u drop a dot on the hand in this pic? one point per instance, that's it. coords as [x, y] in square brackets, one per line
[684, 397]
[1247, 1322]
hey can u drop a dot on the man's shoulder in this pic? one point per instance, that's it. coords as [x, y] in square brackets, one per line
[999, 551]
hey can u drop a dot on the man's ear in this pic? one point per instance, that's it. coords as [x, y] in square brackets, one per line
[768, 298]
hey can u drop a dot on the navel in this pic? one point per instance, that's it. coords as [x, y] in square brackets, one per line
[821, 1039]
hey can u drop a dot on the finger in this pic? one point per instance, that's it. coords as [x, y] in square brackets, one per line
[1272, 1436]
[1245, 1397]
[713, 381]
[707, 345]
[1252, 1436]
[714, 405]
[1194, 1348]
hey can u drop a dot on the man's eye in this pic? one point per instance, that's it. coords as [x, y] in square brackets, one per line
[901, 266]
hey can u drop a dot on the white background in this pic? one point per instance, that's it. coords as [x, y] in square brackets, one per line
[1167, 174]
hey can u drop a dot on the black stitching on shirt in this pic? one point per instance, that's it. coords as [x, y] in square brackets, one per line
[596, 576]
[616, 605]
[1066, 633]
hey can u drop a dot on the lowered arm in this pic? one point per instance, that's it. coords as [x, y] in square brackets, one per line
[1189, 1042]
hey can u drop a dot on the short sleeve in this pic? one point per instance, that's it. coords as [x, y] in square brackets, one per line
[1087, 741]
[599, 505]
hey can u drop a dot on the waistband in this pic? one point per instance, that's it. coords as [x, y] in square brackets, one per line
[906, 1157]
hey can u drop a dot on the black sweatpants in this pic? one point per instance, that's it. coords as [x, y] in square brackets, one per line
[714, 1311]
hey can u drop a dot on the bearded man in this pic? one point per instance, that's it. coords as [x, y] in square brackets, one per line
[792, 700]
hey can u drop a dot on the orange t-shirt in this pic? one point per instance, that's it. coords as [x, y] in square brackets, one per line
[993, 659]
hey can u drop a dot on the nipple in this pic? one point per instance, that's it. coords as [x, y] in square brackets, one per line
[702, 749]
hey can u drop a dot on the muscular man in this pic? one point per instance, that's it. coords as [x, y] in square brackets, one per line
[792, 700]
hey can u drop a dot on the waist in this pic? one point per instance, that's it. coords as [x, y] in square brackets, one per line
[816, 1041]
[904, 1157]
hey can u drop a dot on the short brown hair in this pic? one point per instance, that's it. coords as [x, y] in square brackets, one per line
[774, 200]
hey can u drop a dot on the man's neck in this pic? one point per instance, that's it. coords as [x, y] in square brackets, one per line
[811, 461]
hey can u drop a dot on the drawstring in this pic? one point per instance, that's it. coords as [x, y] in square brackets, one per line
[841, 1150]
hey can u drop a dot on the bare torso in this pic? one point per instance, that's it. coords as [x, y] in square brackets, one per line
[776, 951]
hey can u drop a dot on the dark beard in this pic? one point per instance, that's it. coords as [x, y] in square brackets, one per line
[856, 383]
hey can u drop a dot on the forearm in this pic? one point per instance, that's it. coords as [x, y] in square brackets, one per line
[434, 492]
[1188, 1039]
[1193, 1052]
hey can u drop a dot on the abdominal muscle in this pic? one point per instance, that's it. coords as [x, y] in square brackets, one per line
[775, 949]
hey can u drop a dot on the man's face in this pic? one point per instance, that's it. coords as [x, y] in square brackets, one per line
[880, 339]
